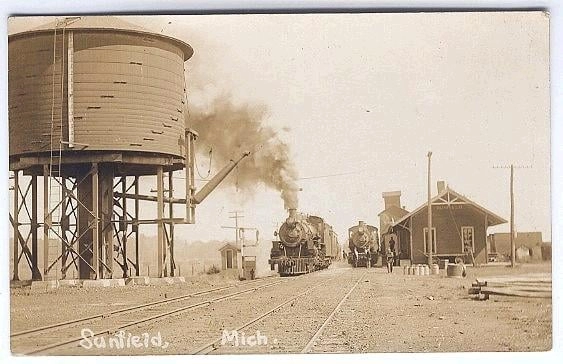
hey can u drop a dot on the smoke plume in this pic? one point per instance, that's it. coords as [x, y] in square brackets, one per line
[232, 129]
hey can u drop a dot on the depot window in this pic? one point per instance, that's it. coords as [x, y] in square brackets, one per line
[468, 235]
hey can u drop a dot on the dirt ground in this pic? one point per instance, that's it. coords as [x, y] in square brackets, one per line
[385, 313]
[29, 309]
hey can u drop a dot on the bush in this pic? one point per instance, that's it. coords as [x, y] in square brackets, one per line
[213, 270]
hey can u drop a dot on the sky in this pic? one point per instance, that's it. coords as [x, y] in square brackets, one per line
[362, 98]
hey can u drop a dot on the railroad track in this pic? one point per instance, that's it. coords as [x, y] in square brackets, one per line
[50, 337]
[311, 343]
[295, 302]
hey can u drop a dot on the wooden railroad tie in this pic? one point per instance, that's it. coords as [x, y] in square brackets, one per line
[538, 286]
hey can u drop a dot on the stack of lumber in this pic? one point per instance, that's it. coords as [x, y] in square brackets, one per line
[532, 285]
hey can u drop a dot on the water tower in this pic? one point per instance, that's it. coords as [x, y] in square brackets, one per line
[96, 104]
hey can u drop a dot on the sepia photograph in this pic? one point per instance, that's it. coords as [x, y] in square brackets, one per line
[279, 183]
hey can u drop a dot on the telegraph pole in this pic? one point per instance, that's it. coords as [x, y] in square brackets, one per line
[512, 242]
[429, 236]
[235, 215]
[239, 230]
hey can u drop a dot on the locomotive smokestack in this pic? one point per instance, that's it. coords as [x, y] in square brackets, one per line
[292, 216]
[215, 181]
[292, 213]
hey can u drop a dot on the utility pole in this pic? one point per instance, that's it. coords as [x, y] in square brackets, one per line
[512, 242]
[429, 236]
[235, 215]
[239, 230]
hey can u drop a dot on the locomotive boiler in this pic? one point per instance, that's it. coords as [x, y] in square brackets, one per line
[363, 241]
[304, 244]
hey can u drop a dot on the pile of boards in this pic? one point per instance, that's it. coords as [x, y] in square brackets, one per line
[532, 285]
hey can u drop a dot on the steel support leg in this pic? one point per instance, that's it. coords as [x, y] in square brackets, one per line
[64, 227]
[160, 224]
[171, 230]
[35, 272]
[16, 226]
[136, 228]
[85, 237]
[46, 221]
[96, 227]
[105, 225]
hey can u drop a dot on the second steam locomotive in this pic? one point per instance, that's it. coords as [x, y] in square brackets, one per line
[363, 241]
[304, 244]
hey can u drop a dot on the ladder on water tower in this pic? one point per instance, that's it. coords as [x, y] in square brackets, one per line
[55, 232]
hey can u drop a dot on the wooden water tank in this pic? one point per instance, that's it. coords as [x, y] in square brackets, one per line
[96, 85]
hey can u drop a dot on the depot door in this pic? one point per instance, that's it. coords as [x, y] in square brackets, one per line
[229, 259]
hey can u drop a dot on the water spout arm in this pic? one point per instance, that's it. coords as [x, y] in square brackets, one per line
[216, 180]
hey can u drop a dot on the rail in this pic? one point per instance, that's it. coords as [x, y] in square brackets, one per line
[109, 328]
[210, 346]
[213, 345]
[318, 333]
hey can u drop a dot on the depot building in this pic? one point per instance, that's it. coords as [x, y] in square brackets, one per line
[456, 222]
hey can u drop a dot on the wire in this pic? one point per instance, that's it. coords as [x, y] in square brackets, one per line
[328, 175]
[197, 179]
[208, 169]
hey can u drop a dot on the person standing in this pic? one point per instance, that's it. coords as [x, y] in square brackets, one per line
[392, 243]
[390, 258]
[392, 246]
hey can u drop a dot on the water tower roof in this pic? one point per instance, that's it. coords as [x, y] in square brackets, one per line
[106, 23]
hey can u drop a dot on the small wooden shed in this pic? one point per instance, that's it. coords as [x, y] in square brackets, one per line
[230, 256]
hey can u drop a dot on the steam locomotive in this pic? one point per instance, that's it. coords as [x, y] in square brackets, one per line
[363, 241]
[305, 244]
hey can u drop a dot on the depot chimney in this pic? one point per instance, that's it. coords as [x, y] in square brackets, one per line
[441, 186]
